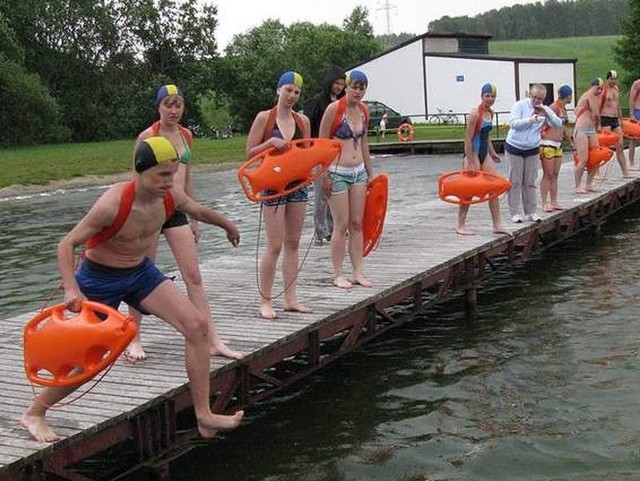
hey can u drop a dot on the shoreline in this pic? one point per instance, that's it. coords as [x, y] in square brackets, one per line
[91, 181]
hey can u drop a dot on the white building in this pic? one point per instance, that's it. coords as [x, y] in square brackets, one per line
[435, 73]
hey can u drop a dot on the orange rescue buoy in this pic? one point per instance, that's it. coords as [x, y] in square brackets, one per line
[608, 138]
[375, 211]
[471, 186]
[405, 132]
[630, 127]
[62, 351]
[598, 156]
[275, 173]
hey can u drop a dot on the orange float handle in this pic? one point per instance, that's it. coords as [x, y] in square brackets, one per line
[62, 351]
[274, 173]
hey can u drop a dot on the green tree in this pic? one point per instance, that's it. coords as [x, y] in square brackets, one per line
[626, 51]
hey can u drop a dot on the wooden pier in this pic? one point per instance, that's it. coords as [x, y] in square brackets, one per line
[420, 261]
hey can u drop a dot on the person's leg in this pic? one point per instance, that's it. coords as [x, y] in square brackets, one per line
[274, 227]
[553, 184]
[33, 419]
[184, 248]
[516, 173]
[632, 154]
[529, 197]
[582, 151]
[293, 222]
[494, 205]
[357, 200]
[592, 143]
[339, 204]
[320, 209]
[134, 351]
[463, 210]
[168, 303]
[620, 154]
[545, 183]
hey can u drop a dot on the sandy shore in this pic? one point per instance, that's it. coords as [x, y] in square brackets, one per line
[90, 180]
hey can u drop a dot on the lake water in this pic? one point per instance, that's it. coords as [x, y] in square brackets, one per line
[542, 383]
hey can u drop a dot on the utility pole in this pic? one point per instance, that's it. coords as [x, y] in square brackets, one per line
[387, 7]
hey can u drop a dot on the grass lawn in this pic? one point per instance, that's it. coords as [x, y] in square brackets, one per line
[42, 164]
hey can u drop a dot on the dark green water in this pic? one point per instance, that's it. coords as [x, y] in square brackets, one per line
[542, 385]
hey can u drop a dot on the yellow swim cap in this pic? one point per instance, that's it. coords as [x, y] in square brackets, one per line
[154, 151]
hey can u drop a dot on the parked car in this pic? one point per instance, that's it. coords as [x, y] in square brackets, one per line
[377, 109]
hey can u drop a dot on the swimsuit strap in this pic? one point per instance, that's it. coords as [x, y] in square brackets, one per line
[480, 118]
[342, 109]
[186, 133]
[271, 123]
[124, 209]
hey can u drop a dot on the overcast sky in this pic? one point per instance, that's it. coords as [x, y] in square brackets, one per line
[407, 16]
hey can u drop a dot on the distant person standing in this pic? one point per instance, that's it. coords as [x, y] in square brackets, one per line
[584, 132]
[479, 154]
[551, 151]
[610, 115]
[634, 113]
[383, 123]
[333, 88]
[522, 149]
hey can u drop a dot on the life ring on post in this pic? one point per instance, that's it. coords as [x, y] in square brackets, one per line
[405, 132]
[467, 187]
[275, 173]
[62, 351]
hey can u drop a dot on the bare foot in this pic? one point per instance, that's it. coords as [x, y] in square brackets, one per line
[629, 175]
[592, 189]
[464, 231]
[633, 167]
[362, 281]
[134, 351]
[219, 348]
[342, 283]
[599, 177]
[38, 428]
[580, 190]
[268, 313]
[547, 208]
[218, 422]
[499, 229]
[557, 207]
[298, 307]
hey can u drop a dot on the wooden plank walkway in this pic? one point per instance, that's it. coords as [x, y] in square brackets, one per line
[419, 242]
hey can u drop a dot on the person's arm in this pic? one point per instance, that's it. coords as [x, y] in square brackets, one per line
[520, 118]
[205, 214]
[551, 117]
[327, 120]
[101, 215]
[632, 96]
[255, 145]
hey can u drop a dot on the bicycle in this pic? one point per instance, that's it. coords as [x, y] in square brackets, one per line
[447, 118]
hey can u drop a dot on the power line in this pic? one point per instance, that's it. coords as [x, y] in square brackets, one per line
[387, 7]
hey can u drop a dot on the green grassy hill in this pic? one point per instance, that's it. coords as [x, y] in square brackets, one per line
[594, 54]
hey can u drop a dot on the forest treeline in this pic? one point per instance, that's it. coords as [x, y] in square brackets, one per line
[551, 19]
[86, 70]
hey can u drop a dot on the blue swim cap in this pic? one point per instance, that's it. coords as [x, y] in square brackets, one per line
[357, 76]
[167, 90]
[290, 78]
[489, 88]
[597, 82]
[564, 91]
